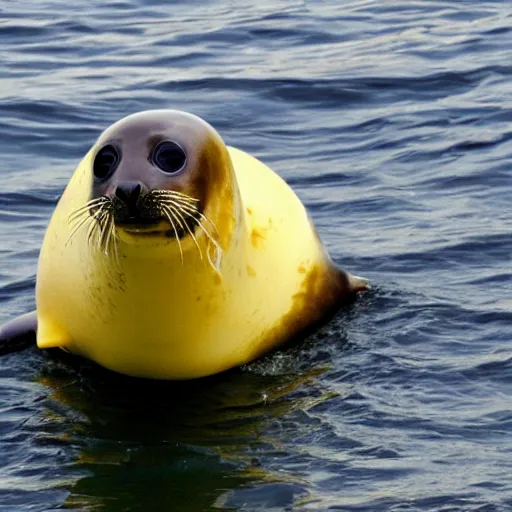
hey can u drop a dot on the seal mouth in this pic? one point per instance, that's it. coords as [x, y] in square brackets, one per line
[159, 226]
[141, 226]
[158, 213]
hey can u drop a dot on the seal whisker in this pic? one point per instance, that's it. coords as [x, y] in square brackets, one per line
[175, 233]
[95, 225]
[98, 216]
[84, 216]
[111, 238]
[190, 232]
[174, 194]
[87, 218]
[204, 217]
[218, 251]
[114, 238]
[108, 230]
[184, 225]
[174, 216]
[77, 226]
[105, 232]
[100, 226]
[89, 205]
[77, 218]
[191, 210]
[100, 201]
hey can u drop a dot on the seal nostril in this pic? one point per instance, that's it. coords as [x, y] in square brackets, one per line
[129, 193]
[121, 193]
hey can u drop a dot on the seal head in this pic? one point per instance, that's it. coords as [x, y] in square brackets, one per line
[154, 175]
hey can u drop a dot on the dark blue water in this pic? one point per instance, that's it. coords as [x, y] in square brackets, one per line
[393, 122]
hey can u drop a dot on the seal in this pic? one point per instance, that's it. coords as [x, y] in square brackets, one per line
[173, 256]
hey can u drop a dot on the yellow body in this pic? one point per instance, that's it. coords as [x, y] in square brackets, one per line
[148, 314]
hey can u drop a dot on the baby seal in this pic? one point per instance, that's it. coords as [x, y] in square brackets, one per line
[173, 256]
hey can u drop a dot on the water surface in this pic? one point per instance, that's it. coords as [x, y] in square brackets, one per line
[393, 122]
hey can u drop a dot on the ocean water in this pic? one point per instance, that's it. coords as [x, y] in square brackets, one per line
[392, 121]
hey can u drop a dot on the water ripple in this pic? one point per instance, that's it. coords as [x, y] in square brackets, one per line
[391, 120]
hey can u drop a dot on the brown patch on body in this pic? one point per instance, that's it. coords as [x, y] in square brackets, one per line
[301, 269]
[257, 237]
[259, 233]
[213, 185]
[323, 291]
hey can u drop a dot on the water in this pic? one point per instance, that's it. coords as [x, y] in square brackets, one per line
[392, 121]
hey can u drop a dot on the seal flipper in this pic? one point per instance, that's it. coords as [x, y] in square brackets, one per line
[357, 284]
[19, 333]
[51, 335]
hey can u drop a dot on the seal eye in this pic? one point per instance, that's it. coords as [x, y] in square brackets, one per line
[169, 157]
[106, 162]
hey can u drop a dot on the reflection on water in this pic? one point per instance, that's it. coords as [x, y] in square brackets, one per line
[144, 445]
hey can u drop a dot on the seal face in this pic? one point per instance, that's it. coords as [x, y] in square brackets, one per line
[151, 177]
[172, 256]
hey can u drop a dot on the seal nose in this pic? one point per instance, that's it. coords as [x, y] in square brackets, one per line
[129, 193]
